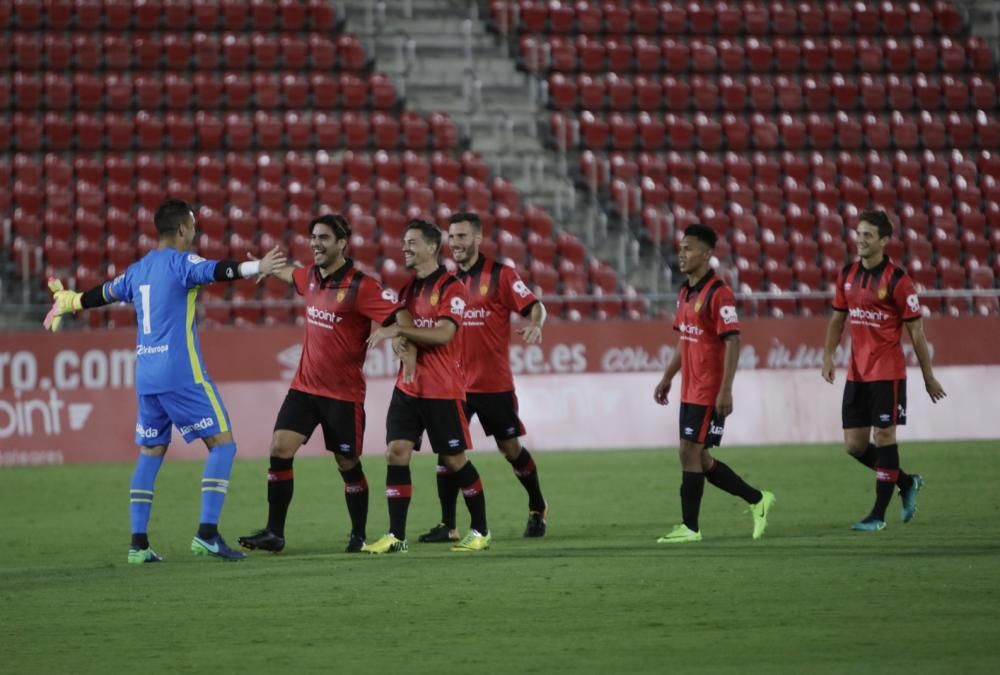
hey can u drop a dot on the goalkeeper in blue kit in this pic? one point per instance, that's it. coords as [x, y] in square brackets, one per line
[172, 386]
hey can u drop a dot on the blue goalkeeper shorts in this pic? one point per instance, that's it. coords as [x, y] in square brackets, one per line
[196, 410]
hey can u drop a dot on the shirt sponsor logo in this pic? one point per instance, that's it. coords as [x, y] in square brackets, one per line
[424, 323]
[144, 432]
[913, 302]
[728, 313]
[480, 314]
[200, 425]
[141, 350]
[520, 288]
[458, 306]
[321, 317]
[690, 329]
[868, 315]
[195, 259]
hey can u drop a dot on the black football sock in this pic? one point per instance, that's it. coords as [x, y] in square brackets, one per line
[140, 540]
[886, 475]
[207, 530]
[870, 458]
[280, 486]
[447, 494]
[526, 472]
[692, 488]
[356, 496]
[468, 481]
[398, 490]
[724, 478]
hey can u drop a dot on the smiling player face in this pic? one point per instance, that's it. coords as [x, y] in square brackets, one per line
[464, 242]
[417, 251]
[327, 250]
[870, 245]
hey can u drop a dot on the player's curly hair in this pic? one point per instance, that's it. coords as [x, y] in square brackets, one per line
[702, 233]
[429, 231]
[336, 222]
[170, 215]
[879, 219]
[466, 217]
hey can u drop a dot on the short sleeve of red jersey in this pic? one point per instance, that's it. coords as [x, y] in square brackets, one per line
[906, 299]
[727, 321]
[300, 278]
[452, 303]
[376, 303]
[839, 299]
[515, 293]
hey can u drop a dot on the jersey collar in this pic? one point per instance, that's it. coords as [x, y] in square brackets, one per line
[701, 284]
[878, 269]
[464, 274]
[431, 278]
[334, 278]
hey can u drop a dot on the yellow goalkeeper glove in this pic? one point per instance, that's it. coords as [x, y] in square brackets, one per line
[63, 302]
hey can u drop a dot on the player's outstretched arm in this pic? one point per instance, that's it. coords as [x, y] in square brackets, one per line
[663, 387]
[916, 330]
[532, 333]
[834, 331]
[67, 302]
[230, 270]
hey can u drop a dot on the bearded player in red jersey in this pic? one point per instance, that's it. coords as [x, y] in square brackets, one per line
[434, 401]
[494, 291]
[706, 356]
[879, 298]
[328, 389]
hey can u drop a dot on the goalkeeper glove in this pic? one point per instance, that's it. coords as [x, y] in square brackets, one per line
[63, 302]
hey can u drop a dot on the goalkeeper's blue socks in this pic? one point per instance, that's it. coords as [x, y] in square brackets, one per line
[214, 485]
[141, 497]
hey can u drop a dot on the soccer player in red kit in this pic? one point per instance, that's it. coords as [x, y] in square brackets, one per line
[706, 356]
[328, 389]
[434, 400]
[879, 299]
[494, 290]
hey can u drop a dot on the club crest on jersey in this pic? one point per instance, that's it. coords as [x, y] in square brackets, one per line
[882, 292]
[341, 294]
[484, 289]
[435, 297]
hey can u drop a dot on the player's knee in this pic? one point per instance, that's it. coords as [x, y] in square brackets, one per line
[510, 448]
[454, 462]
[346, 463]
[885, 436]
[283, 450]
[153, 451]
[398, 454]
[218, 439]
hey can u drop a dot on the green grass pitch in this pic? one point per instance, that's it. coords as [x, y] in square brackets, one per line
[597, 595]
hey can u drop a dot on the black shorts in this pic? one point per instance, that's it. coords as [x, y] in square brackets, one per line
[874, 404]
[343, 422]
[497, 413]
[700, 424]
[443, 419]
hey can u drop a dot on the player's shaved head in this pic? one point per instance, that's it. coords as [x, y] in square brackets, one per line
[702, 233]
[171, 215]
